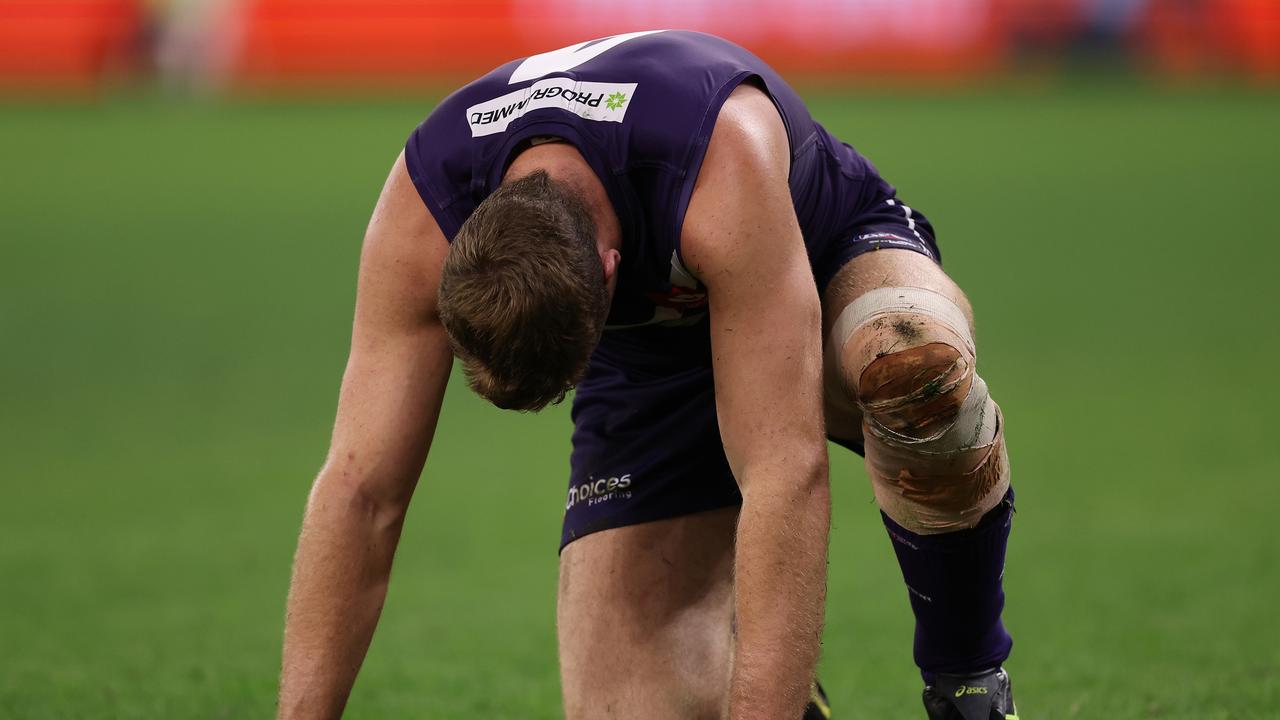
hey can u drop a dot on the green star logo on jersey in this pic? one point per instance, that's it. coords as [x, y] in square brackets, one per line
[615, 100]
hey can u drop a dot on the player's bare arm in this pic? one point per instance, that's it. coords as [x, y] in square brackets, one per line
[742, 239]
[387, 411]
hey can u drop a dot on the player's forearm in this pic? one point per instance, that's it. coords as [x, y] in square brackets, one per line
[780, 590]
[340, 578]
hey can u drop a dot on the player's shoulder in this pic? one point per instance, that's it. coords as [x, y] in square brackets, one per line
[748, 148]
[747, 117]
[744, 172]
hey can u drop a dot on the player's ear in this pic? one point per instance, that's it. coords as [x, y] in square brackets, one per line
[610, 259]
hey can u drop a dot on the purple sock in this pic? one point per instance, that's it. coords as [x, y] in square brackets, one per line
[954, 582]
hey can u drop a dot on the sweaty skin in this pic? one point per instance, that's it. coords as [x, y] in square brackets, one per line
[740, 236]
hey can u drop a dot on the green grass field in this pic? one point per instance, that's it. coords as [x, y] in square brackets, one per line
[176, 283]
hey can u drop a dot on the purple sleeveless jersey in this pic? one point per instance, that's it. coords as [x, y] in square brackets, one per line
[640, 108]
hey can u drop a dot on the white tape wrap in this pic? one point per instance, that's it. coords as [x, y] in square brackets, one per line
[947, 480]
[890, 300]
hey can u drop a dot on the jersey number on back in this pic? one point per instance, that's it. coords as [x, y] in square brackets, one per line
[568, 58]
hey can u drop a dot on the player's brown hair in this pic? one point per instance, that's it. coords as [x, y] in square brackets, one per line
[522, 293]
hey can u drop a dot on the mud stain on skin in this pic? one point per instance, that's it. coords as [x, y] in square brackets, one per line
[905, 329]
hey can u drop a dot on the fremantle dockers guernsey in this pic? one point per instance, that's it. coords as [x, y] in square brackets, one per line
[640, 108]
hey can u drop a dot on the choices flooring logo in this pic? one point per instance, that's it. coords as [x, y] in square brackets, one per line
[597, 490]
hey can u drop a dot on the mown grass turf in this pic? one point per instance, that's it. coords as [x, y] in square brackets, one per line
[175, 292]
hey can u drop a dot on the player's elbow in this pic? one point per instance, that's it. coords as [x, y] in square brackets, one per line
[813, 493]
[797, 474]
[363, 497]
[812, 477]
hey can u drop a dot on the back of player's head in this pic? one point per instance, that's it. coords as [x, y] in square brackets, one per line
[522, 293]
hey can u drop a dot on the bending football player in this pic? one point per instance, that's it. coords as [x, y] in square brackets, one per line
[655, 219]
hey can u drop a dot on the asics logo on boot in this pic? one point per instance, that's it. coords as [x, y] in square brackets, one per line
[970, 690]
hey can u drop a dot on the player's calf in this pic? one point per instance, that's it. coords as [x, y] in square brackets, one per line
[932, 433]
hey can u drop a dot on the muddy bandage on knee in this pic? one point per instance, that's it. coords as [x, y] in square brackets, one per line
[933, 435]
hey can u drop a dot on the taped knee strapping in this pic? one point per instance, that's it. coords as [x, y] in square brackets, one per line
[948, 476]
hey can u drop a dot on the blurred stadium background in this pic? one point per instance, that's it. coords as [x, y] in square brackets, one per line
[183, 189]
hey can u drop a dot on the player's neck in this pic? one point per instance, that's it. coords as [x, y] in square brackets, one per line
[564, 163]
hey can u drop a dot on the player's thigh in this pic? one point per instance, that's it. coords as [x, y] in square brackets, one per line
[866, 272]
[645, 618]
[887, 268]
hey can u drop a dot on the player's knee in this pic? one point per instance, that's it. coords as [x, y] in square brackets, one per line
[931, 430]
[906, 358]
[916, 392]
